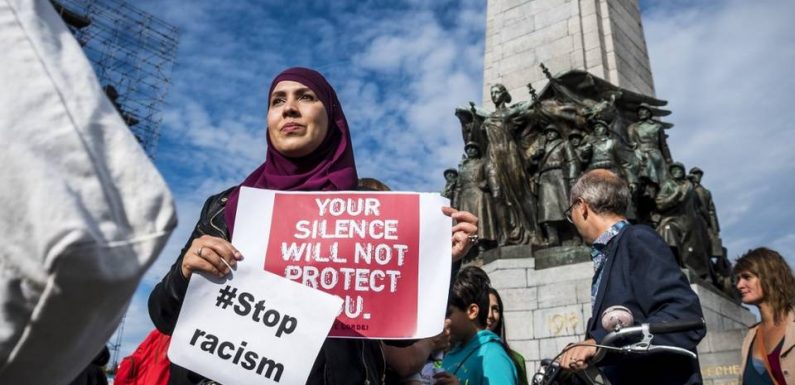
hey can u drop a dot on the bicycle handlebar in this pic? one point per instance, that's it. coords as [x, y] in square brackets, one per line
[647, 331]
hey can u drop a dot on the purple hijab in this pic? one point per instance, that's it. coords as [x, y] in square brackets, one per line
[330, 167]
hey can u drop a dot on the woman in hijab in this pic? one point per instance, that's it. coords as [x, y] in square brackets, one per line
[309, 149]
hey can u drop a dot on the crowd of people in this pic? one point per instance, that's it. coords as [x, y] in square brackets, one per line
[309, 148]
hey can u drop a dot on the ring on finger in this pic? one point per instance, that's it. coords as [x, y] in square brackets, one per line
[199, 252]
[473, 238]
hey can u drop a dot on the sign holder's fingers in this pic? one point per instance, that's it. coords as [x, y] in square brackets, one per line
[211, 256]
[203, 265]
[228, 254]
[227, 264]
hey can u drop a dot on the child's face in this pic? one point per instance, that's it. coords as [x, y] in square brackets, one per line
[495, 313]
[462, 324]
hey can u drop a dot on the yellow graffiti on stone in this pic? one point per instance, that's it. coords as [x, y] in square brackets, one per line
[563, 324]
[720, 371]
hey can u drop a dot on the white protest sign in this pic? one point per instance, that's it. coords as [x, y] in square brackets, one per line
[251, 328]
[387, 254]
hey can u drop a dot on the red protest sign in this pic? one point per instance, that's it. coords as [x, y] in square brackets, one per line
[363, 247]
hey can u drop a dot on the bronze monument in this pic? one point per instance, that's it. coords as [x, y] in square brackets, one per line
[521, 160]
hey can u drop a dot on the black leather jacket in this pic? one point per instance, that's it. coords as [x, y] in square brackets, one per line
[340, 362]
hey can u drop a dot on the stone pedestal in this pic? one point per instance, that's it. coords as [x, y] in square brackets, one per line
[727, 323]
[547, 308]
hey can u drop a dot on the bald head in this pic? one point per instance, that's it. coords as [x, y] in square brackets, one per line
[604, 191]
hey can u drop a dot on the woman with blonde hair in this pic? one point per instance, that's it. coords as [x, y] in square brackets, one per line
[765, 280]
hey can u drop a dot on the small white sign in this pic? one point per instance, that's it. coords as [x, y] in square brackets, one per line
[252, 327]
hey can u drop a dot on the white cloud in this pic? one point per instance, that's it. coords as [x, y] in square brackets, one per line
[429, 68]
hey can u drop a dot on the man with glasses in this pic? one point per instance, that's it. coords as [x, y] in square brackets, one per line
[634, 268]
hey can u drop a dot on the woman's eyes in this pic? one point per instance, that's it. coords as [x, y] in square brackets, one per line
[744, 276]
[281, 100]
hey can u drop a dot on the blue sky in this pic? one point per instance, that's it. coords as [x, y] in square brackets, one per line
[401, 67]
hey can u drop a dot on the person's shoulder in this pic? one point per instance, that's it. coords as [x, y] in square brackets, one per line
[497, 364]
[486, 335]
[637, 228]
[643, 239]
[491, 344]
[641, 232]
[219, 198]
[223, 194]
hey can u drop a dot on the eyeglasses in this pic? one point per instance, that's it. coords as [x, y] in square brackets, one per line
[567, 213]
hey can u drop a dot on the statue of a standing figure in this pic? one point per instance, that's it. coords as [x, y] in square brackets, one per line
[557, 169]
[680, 224]
[581, 150]
[471, 120]
[648, 138]
[474, 194]
[707, 210]
[721, 266]
[604, 153]
[514, 204]
[450, 182]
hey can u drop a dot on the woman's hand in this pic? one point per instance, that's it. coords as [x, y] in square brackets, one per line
[465, 231]
[210, 254]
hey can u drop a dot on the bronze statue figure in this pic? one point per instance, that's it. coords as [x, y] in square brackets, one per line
[647, 136]
[582, 151]
[605, 153]
[557, 171]
[721, 266]
[707, 209]
[680, 225]
[451, 180]
[471, 119]
[515, 206]
[473, 193]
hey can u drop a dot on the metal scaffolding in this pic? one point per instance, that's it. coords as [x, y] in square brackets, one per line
[132, 53]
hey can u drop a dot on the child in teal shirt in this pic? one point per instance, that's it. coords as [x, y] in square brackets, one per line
[477, 357]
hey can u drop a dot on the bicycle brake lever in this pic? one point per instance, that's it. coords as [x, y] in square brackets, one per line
[647, 336]
[672, 349]
[644, 344]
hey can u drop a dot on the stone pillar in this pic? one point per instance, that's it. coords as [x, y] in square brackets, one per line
[548, 308]
[603, 37]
